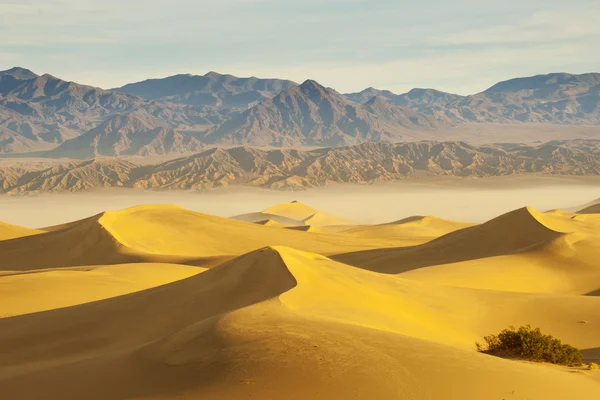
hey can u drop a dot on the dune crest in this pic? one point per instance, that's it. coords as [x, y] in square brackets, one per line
[24, 293]
[306, 214]
[10, 231]
[512, 232]
[427, 227]
[164, 234]
[279, 320]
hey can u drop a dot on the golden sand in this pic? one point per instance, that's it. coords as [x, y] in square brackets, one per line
[9, 231]
[116, 307]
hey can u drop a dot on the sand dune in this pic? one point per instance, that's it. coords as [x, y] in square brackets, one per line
[271, 223]
[306, 228]
[9, 231]
[594, 209]
[523, 250]
[260, 216]
[280, 321]
[308, 215]
[510, 233]
[163, 234]
[24, 293]
[415, 227]
[295, 213]
[104, 308]
[77, 244]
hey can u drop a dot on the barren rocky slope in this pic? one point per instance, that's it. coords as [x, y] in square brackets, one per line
[56, 118]
[311, 114]
[293, 169]
[41, 112]
[225, 92]
[557, 98]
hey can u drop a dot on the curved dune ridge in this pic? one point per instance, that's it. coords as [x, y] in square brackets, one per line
[271, 223]
[9, 231]
[24, 293]
[416, 226]
[281, 321]
[306, 228]
[306, 214]
[162, 233]
[161, 302]
[76, 244]
[523, 250]
[594, 209]
[259, 217]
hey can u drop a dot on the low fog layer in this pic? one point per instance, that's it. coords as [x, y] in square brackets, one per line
[461, 200]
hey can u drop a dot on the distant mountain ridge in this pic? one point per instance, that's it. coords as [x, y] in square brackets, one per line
[558, 98]
[294, 170]
[212, 89]
[311, 114]
[39, 112]
[49, 115]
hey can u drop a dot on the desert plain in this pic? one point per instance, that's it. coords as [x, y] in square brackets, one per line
[375, 292]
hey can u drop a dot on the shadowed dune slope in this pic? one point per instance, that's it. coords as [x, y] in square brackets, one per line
[595, 209]
[259, 216]
[278, 321]
[306, 228]
[161, 233]
[81, 243]
[523, 250]
[510, 233]
[271, 223]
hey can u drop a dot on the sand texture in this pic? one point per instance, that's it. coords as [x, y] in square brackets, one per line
[160, 302]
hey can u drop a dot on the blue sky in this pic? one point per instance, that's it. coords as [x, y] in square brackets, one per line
[461, 46]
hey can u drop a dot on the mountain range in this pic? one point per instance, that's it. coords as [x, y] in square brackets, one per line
[290, 169]
[554, 98]
[186, 113]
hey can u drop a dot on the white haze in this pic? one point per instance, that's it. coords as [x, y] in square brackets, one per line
[462, 200]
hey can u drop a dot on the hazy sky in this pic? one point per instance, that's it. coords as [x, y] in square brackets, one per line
[461, 46]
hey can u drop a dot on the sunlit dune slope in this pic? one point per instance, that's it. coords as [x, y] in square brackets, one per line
[510, 233]
[308, 215]
[523, 250]
[23, 293]
[281, 323]
[417, 226]
[177, 231]
[9, 231]
[162, 233]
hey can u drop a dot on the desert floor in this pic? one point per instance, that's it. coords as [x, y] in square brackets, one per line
[373, 292]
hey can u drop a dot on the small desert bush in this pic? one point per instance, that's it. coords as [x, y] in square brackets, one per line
[530, 344]
[593, 366]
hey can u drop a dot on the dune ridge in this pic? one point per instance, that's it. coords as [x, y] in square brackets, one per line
[509, 233]
[10, 231]
[224, 332]
[162, 234]
[415, 226]
[523, 250]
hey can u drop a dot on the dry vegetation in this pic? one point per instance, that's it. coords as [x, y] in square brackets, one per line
[530, 344]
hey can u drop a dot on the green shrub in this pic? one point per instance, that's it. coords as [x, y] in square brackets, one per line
[530, 344]
[593, 366]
